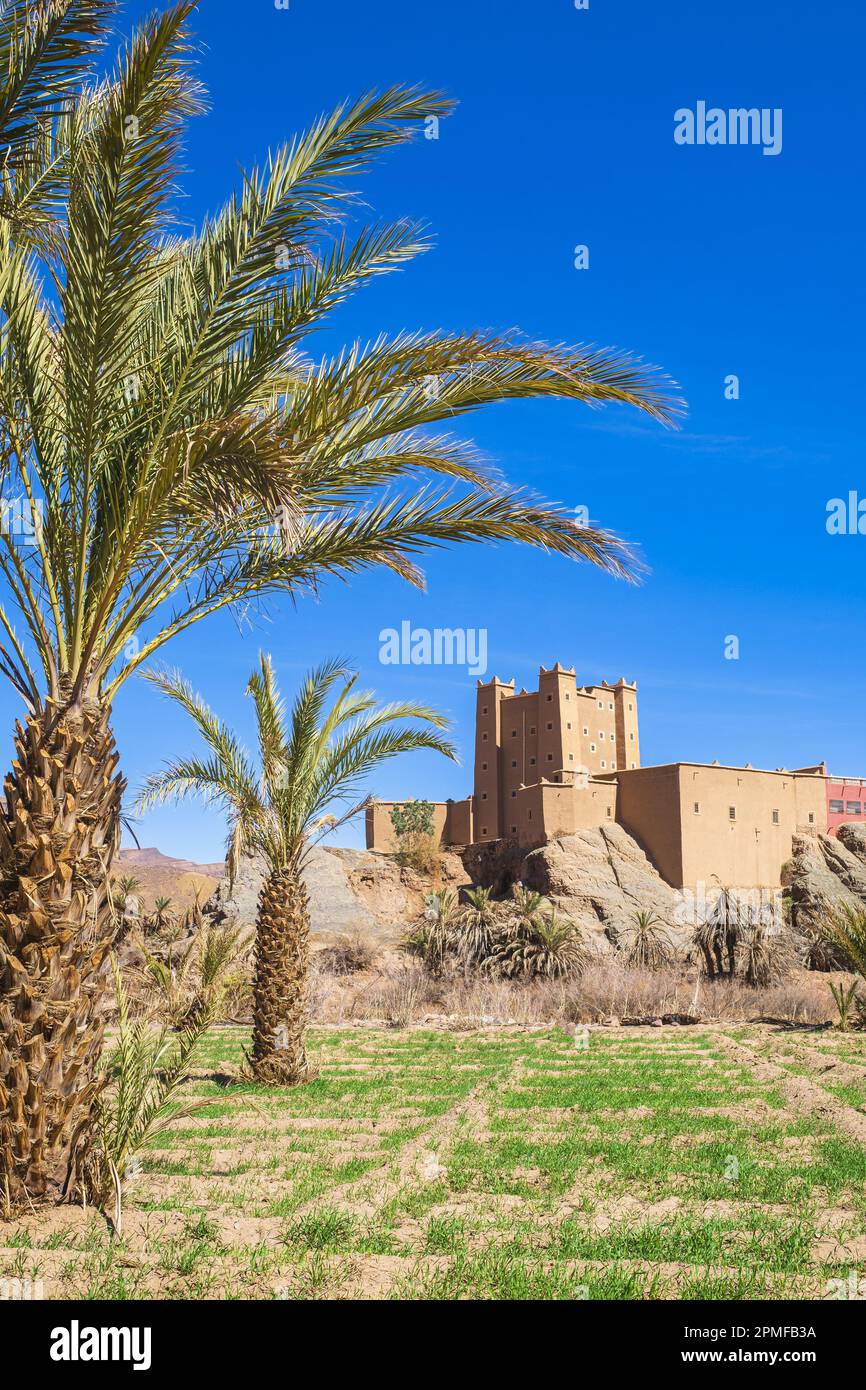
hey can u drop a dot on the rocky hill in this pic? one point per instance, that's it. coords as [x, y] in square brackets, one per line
[161, 876]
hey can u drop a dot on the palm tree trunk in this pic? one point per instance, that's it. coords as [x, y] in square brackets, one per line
[59, 829]
[281, 986]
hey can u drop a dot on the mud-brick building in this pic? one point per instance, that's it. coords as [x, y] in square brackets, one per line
[565, 757]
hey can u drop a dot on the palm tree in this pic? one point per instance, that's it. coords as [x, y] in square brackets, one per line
[476, 933]
[167, 451]
[309, 761]
[647, 942]
[162, 913]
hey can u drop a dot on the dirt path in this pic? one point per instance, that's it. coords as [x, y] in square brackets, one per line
[804, 1097]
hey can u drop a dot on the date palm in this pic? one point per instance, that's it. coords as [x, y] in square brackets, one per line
[168, 450]
[310, 761]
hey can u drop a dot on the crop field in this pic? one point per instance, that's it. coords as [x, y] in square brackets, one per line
[699, 1163]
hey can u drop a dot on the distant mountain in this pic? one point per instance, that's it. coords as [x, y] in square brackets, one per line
[161, 876]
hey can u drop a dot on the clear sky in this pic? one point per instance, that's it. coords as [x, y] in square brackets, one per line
[708, 260]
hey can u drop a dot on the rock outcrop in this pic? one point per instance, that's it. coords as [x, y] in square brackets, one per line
[350, 890]
[601, 878]
[824, 875]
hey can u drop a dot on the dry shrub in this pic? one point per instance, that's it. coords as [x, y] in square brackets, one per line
[396, 996]
[350, 954]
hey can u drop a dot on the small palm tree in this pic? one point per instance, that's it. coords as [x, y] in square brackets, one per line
[433, 937]
[551, 947]
[309, 761]
[529, 905]
[476, 934]
[646, 942]
[162, 913]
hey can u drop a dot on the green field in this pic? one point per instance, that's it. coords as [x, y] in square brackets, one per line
[653, 1163]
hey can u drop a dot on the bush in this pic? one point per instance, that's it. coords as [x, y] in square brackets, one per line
[542, 946]
[350, 954]
[417, 843]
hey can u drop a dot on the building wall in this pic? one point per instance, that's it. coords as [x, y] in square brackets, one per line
[742, 832]
[846, 802]
[548, 810]
[648, 806]
[489, 701]
[452, 824]
[734, 826]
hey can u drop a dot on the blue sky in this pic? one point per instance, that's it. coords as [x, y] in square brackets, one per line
[706, 260]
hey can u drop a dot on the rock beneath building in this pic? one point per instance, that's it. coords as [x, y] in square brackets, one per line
[853, 837]
[822, 876]
[600, 878]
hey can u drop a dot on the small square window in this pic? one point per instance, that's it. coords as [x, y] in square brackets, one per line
[592, 748]
[484, 710]
[484, 830]
[610, 704]
[603, 763]
[483, 796]
[483, 738]
[775, 817]
[549, 725]
[549, 698]
[601, 704]
[634, 764]
[609, 813]
[529, 815]
[532, 728]
[586, 731]
[631, 706]
[568, 726]
[483, 767]
[571, 757]
[601, 734]
[514, 762]
[811, 817]
[697, 808]
[514, 829]
[613, 765]
[514, 733]
[550, 757]
[532, 762]
[732, 813]
[514, 794]
[567, 696]
[631, 736]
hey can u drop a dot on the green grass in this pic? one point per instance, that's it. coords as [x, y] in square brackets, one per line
[493, 1165]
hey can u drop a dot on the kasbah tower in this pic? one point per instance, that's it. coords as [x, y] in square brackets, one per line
[565, 757]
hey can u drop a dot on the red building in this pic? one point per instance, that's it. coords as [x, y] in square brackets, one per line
[846, 801]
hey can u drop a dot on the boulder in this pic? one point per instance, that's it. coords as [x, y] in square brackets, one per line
[853, 837]
[350, 890]
[601, 878]
[822, 876]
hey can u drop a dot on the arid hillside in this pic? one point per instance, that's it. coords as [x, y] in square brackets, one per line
[162, 876]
